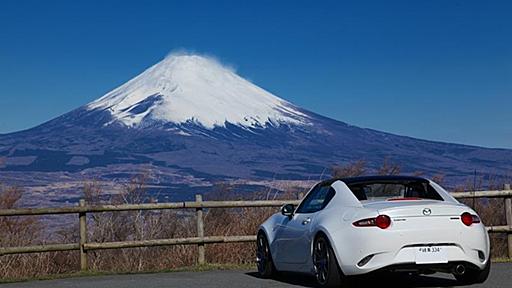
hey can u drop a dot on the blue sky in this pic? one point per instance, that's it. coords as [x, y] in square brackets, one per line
[439, 70]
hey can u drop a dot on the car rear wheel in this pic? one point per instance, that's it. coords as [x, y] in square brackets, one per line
[266, 268]
[327, 271]
[474, 276]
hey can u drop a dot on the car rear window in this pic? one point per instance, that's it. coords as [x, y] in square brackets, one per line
[394, 190]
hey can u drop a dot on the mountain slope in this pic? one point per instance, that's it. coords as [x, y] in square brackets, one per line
[190, 88]
[190, 121]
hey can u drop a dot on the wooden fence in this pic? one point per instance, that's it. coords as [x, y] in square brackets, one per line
[200, 240]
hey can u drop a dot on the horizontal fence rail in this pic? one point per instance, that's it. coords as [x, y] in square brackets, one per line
[84, 246]
[483, 194]
[145, 206]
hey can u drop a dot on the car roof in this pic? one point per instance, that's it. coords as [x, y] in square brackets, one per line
[380, 178]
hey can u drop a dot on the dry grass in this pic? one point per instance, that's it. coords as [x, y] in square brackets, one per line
[24, 231]
[131, 225]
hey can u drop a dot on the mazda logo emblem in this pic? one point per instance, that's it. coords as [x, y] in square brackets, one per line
[427, 211]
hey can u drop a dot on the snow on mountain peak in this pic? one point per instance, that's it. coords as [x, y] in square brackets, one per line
[198, 89]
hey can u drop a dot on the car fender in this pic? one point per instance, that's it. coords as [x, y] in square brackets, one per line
[330, 228]
[270, 226]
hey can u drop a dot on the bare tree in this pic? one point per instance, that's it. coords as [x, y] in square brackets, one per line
[351, 169]
[389, 168]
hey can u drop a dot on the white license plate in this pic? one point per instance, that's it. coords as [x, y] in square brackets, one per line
[430, 255]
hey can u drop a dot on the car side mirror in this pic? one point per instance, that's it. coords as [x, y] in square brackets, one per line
[288, 209]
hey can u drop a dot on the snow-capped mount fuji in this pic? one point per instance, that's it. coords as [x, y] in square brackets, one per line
[185, 89]
[189, 120]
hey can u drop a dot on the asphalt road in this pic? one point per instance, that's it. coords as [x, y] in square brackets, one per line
[501, 276]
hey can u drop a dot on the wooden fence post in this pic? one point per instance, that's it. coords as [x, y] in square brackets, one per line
[200, 231]
[82, 216]
[508, 212]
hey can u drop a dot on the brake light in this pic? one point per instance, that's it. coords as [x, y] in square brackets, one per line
[469, 219]
[404, 199]
[381, 221]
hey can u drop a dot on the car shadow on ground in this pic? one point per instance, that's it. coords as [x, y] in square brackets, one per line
[370, 280]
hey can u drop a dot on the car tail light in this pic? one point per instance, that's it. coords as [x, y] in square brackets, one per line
[469, 219]
[381, 221]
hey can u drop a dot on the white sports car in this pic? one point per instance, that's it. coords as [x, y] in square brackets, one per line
[354, 226]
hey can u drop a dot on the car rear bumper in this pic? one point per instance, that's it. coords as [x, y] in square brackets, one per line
[407, 257]
[391, 248]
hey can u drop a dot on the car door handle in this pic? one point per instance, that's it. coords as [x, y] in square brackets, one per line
[306, 221]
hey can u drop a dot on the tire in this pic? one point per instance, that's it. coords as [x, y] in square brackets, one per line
[475, 276]
[266, 268]
[327, 270]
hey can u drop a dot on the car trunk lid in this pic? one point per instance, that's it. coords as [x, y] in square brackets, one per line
[415, 208]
